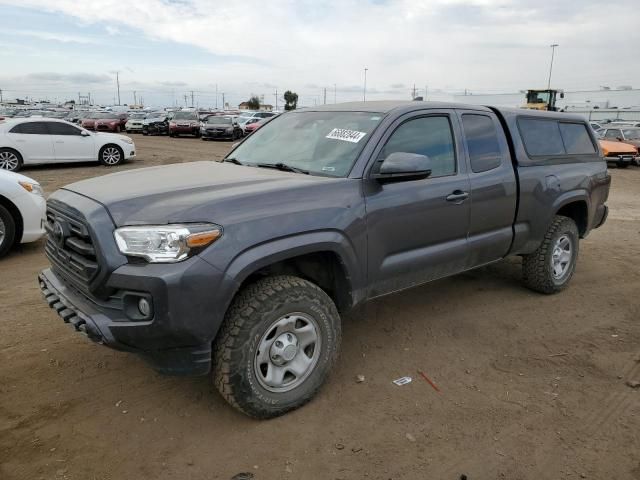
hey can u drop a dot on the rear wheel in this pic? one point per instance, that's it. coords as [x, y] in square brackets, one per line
[550, 268]
[10, 160]
[278, 342]
[7, 231]
[111, 155]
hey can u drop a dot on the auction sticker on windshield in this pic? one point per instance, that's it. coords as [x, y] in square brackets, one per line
[345, 135]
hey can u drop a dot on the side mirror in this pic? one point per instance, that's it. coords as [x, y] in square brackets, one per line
[403, 166]
[84, 133]
[561, 94]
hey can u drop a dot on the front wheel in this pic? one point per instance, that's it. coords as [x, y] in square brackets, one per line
[550, 268]
[10, 160]
[111, 155]
[7, 231]
[278, 342]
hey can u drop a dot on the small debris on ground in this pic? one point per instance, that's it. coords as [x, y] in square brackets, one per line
[359, 378]
[633, 383]
[243, 476]
[339, 446]
[402, 380]
[118, 403]
[410, 437]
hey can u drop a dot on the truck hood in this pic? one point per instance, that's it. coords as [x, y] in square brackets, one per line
[609, 146]
[204, 191]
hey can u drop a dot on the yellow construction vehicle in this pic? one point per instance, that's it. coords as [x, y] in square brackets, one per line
[543, 99]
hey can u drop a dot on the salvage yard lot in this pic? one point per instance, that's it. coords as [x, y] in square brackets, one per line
[531, 386]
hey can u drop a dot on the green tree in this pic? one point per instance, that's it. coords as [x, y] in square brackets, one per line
[292, 100]
[254, 103]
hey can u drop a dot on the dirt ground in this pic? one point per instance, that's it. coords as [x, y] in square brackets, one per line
[530, 386]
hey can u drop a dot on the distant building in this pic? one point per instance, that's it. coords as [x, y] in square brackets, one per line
[263, 107]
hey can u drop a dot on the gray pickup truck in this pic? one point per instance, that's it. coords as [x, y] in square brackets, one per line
[243, 268]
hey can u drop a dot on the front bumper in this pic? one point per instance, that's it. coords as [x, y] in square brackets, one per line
[185, 129]
[133, 127]
[187, 312]
[215, 134]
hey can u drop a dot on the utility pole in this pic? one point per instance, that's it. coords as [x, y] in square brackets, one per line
[135, 101]
[334, 92]
[216, 96]
[425, 92]
[185, 100]
[118, 84]
[364, 90]
[325, 95]
[191, 98]
[224, 105]
[413, 95]
[553, 51]
[276, 99]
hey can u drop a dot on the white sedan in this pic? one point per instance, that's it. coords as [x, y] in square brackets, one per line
[22, 210]
[30, 141]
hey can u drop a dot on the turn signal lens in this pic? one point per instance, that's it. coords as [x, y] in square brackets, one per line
[202, 239]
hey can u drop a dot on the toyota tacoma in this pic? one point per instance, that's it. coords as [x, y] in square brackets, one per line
[243, 269]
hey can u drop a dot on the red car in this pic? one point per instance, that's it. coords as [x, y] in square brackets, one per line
[105, 121]
[184, 123]
[252, 127]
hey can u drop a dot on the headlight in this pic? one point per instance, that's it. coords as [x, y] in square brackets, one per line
[166, 243]
[34, 188]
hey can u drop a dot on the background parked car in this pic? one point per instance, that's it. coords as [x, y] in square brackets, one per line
[245, 121]
[622, 154]
[184, 123]
[252, 127]
[22, 210]
[111, 122]
[135, 122]
[216, 126]
[76, 116]
[630, 135]
[89, 120]
[46, 140]
[156, 123]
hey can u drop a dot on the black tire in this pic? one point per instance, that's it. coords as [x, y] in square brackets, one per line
[110, 158]
[622, 164]
[145, 133]
[538, 267]
[249, 321]
[10, 160]
[7, 231]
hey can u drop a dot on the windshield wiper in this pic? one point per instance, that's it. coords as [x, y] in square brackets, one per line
[233, 160]
[283, 167]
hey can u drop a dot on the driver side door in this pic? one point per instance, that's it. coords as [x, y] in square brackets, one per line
[70, 145]
[417, 229]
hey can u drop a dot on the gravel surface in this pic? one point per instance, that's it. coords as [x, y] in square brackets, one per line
[528, 386]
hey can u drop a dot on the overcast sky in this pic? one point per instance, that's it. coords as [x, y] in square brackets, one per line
[163, 49]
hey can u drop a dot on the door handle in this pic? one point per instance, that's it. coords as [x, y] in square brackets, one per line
[457, 196]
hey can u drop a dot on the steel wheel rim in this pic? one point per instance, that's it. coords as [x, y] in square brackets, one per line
[288, 352]
[8, 161]
[561, 256]
[2, 231]
[111, 155]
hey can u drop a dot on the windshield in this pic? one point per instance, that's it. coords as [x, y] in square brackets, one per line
[219, 120]
[137, 116]
[324, 143]
[632, 134]
[185, 116]
[538, 97]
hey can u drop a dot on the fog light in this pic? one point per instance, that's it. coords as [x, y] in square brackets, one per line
[144, 306]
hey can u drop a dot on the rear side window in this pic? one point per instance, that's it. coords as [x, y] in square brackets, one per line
[612, 133]
[31, 128]
[541, 137]
[59, 128]
[576, 139]
[482, 142]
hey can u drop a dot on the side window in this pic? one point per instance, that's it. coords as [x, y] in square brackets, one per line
[576, 139]
[482, 142]
[430, 136]
[612, 133]
[31, 128]
[541, 137]
[57, 128]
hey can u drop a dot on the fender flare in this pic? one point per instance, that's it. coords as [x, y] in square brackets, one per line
[262, 255]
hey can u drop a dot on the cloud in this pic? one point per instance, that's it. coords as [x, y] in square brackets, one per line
[498, 45]
[53, 36]
[73, 78]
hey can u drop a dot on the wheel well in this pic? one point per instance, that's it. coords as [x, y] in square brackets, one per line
[325, 269]
[14, 151]
[17, 216]
[578, 212]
